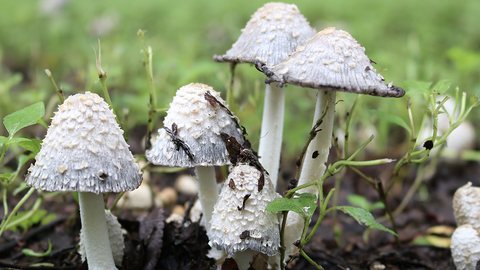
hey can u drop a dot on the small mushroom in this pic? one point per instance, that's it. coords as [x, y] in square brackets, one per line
[465, 247]
[330, 61]
[466, 206]
[271, 35]
[240, 221]
[191, 138]
[84, 151]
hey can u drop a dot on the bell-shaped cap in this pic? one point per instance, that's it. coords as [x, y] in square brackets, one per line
[466, 205]
[84, 151]
[239, 220]
[271, 35]
[191, 133]
[331, 60]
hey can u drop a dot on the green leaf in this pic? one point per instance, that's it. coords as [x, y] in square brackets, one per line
[23, 118]
[364, 217]
[417, 87]
[392, 119]
[32, 253]
[473, 102]
[302, 204]
[362, 202]
[442, 86]
[5, 177]
[33, 145]
[27, 223]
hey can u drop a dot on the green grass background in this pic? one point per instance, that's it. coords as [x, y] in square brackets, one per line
[426, 40]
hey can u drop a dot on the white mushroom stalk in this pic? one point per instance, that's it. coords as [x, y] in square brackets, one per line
[191, 138]
[330, 61]
[271, 35]
[270, 146]
[84, 151]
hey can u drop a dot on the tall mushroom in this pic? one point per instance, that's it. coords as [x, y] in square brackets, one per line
[271, 35]
[84, 151]
[330, 61]
[191, 138]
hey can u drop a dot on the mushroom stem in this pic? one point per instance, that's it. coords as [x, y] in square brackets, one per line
[207, 191]
[272, 130]
[243, 259]
[312, 168]
[95, 232]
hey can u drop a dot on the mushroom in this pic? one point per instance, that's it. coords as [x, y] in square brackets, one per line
[271, 35]
[84, 151]
[330, 61]
[466, 206]
[115, 236]
[191, 138]
[465, 247]
[240, 224]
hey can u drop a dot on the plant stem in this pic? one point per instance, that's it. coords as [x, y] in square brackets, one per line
[310, 260]
[30, 213]
[116, 200]
[147, 58]
[229, 98]
[61, 97]
[14, 211]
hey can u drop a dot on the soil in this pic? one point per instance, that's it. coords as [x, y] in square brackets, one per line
[153, 244]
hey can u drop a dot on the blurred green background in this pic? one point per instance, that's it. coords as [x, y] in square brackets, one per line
[428, 40]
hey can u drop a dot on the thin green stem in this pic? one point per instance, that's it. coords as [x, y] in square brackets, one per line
[59, 91]
[310, 260]
[120, 195]
[29, 214]
[14, 211]
[230, 99]
[147, 58]
[347, 126]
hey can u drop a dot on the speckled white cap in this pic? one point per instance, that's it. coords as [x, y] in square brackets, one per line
[271, 35]
[251, 228]
[332, 60]
[84, 151]
[115, 236]
[465, 247]
[466, 205]
[199, 121]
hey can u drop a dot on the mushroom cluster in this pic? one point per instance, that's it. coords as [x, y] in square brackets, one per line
[271, 35]
[191, 137]
[330, 61]
[465, 245]
[84, 151]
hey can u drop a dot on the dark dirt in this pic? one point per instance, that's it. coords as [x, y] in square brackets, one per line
[184, 246]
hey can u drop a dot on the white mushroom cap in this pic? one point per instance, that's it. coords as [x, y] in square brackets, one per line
[253, 227]
[116, 239]
[332, 60]
[465, 247]
[466, 205]
[84, 151]
[271, 35]
[199, 120]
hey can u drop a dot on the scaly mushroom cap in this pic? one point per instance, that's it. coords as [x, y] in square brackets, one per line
[191, 133]
[271, 35]
[115, 236]
[84, 151]
[465, 247]
[240, 221]
[332, 60]
[466, 205]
